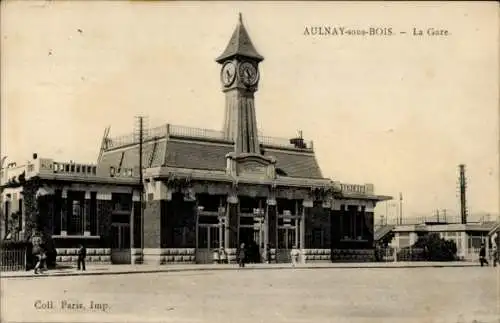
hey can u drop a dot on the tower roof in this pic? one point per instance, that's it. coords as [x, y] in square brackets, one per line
[240, 45]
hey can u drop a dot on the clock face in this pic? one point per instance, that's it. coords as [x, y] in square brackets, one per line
[248, 73]
[228, 73]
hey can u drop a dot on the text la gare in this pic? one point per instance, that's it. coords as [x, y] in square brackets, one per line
[430, 32]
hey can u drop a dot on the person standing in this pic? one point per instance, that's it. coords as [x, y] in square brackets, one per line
[495, 256]
[82, 254]
[294, 254]
[241, 256]
[482, 256]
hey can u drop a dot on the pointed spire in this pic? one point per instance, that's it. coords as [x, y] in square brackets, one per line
[240, 44]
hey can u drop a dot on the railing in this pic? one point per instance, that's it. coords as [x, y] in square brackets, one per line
[353, 188]
[283, 142]
[427, 219]
[184, 131]
[405, 254]
[195, 132]
[73, 168]
[12, 260]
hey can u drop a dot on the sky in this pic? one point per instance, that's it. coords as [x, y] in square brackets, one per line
[401, 112]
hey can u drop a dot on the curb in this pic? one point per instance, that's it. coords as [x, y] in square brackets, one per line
[167, 270]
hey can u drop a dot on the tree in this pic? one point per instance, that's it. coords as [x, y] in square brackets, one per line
[436, 248]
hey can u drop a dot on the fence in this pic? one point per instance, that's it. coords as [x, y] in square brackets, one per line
[12, 259]
[405, 254]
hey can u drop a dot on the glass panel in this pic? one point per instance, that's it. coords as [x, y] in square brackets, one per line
[291, 238]
[125, 237]
[281, 238]
[214, 237]
[115, 237]
[202, 237]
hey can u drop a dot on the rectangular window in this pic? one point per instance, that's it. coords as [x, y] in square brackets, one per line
[122, 202]
[20, 218]
[6, 217]
[93, 214]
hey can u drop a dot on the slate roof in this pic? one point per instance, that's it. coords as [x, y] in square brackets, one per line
[128, 157]
[197, 155]
[240, 44]
[201, 154]
[295, 164]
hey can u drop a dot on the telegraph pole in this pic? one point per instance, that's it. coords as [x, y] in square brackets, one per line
[463, 187]
[400, 208]
[139, 134]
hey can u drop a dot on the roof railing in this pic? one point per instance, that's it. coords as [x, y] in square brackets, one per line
[183, 131]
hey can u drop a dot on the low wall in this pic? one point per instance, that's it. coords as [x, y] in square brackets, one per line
[169, 255]
[353, 255]
[96, 255]
[316, 255]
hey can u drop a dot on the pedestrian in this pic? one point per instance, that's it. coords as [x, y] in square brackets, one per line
[294, 254]
[482, 256]
[82, 254]
[268, 253]
[495, 256]
[241, 256]
[222, 255]
[41, 257]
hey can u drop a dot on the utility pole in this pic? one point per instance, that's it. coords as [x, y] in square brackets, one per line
[139, 134]
[400, 208]
[463, 188]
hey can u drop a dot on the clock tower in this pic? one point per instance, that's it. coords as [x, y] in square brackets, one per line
[240, 80]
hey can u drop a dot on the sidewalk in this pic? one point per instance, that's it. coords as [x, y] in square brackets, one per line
[141, 269]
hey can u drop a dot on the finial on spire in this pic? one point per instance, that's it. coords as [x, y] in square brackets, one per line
[240, 18]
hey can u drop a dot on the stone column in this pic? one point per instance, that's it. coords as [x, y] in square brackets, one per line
[153, 229]
[136, 251]
[86, 214]
[64, 212]
[306, 207]
[271, 232]
[232, 223]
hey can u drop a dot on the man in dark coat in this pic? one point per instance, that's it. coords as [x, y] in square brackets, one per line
[482, 256]
[241, 255]
[82, 254]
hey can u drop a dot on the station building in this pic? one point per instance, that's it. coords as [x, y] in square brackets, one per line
[201, 190]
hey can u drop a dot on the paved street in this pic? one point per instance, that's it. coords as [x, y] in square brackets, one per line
[286, 295]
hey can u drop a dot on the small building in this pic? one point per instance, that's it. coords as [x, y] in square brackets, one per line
[201, 189]
[468, 237]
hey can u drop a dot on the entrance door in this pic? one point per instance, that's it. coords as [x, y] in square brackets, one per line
[120, 243]
[287, 238]
[206, 243]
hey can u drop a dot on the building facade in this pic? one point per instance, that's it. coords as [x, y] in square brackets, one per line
[200, 189]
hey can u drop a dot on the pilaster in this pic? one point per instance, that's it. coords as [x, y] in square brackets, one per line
[86, 214]
[271, 232]
[64, 212]
[155, 222]
[232, 222]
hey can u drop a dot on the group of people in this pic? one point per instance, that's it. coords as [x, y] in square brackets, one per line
[483, 260]
[242, 255]
[39, 252]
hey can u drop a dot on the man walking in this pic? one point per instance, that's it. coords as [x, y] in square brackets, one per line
[82, 254]
[482, 256]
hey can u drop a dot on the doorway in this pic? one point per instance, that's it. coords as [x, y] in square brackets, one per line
[207, 241]
[287, 238]
[120, 243]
